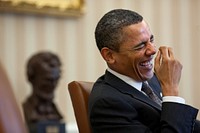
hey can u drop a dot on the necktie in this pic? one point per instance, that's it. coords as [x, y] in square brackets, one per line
[149, 92]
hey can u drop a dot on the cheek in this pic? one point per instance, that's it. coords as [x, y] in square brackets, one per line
[131, 65]
[134, 61]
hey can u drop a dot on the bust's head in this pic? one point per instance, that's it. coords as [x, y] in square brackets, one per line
[43, 72]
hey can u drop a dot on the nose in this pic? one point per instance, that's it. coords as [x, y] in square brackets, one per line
[150, 49]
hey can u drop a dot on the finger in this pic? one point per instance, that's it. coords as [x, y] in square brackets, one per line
[170, 52]
[164, 52]
[157, 61]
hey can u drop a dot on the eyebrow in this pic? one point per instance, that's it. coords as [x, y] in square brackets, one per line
[152, 37]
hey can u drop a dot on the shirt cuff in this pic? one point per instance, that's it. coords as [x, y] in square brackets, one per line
[175, 99]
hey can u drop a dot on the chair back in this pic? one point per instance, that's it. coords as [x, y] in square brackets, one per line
[11, 120]
[79, 92]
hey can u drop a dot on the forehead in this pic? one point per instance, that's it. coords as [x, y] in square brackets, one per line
[48, 68]
[136, 32]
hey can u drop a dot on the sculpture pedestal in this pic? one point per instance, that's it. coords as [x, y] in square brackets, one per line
[48, 127]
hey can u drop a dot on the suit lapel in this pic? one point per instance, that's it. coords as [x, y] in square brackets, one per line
[125, 88]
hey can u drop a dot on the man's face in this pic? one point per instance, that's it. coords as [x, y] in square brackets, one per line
[47, 78]
[135, 56]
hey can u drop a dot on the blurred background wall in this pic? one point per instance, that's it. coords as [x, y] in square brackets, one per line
[175, 23]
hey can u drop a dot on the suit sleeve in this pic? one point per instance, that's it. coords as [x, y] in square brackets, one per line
[197, 126]
[117, 116]
[177, 118]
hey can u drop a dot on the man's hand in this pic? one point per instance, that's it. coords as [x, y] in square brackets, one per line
[168, 70]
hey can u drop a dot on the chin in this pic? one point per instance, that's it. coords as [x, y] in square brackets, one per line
[150, 76]
[147, 76]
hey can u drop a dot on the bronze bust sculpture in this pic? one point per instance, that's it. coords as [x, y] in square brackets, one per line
[43, 72]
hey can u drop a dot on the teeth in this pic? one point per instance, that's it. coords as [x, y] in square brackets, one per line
[148, 63]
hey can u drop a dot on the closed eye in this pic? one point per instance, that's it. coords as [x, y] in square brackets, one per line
[143, 44]
[140, 46]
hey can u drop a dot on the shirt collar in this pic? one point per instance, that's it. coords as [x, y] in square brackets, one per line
[128, 80]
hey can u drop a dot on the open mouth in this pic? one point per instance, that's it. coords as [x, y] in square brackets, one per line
[147, 64]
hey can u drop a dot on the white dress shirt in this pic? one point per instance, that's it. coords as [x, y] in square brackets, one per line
[138, 86]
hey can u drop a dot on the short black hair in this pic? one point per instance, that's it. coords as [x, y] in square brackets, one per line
[108, 32]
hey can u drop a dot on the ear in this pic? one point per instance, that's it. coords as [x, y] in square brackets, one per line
[108, 55]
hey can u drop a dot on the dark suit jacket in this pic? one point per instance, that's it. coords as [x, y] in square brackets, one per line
[116, 107]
